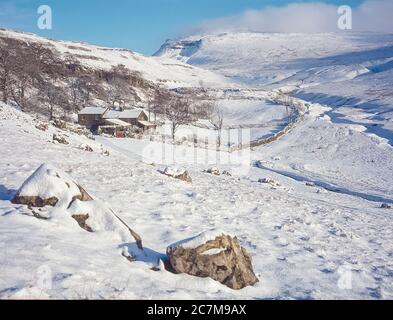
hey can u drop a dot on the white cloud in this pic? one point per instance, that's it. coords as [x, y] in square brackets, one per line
[371, 15]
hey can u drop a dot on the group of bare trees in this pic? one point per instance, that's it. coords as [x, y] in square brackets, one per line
[15, 71]
[289, 103]
[175, 108]
[35, 79]
[121, 82]
[38, 79]
[185, 108]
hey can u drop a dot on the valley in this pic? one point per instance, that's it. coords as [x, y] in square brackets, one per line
[311, 207]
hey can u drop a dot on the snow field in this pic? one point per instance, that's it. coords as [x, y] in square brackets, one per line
[302, 239]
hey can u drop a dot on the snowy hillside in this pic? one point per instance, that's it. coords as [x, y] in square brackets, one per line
[303, 239]
[162, 70]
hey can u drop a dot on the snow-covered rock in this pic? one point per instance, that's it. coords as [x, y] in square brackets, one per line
[42, 126]
[270, 181]
[386, 206]
[85, 147]
[96, 216]
[59, 139]
[49, 186]
[177, 173]
[213, 170]
[198, 240]
[216, 255]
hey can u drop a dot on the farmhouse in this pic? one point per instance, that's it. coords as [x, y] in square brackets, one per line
[91, 117]
[114, 121]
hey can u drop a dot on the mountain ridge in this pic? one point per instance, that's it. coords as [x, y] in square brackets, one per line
[153, 68]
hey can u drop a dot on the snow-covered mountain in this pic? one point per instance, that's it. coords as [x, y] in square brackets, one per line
[351, 72]
[264, 58]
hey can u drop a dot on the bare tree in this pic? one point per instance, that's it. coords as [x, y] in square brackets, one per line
[287, 101]
[18, 92]
[150, 107]
[114, 96]
[24, 72]
[157, 102]
[216, 119]
[6, 65]
[119, 91]
[53, 96]
[79, 89]
[17, 67]
[178, 112]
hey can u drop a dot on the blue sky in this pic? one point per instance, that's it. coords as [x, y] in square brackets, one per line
[140, 25]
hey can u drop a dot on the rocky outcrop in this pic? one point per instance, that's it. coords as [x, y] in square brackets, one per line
[215, 255]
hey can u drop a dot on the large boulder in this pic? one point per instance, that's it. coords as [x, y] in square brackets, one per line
[216, 255]
[48, 186]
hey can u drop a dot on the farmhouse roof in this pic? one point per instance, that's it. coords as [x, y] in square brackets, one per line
[146, 123]
[118, 122]
[92, 110]
[125, 114]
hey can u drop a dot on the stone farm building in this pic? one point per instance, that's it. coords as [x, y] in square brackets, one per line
[114, 121]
